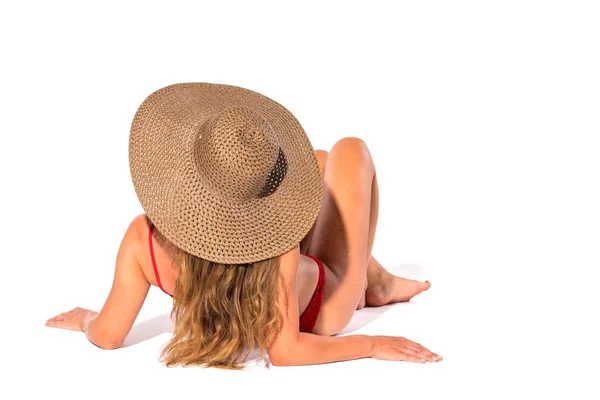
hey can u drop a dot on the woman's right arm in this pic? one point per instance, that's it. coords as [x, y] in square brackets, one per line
[292, 347]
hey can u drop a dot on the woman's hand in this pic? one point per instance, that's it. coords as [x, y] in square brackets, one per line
[74, 320]
[401, 349]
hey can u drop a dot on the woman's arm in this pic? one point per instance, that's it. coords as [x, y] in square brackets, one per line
[292, 347]
[109, 328]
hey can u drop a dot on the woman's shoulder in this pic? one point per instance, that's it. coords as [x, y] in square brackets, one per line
[139, 228]
[136, 235]
[137, 239]
[288, 261]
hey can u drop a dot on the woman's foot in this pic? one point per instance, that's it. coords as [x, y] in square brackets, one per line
[384, 288]
[393, 289]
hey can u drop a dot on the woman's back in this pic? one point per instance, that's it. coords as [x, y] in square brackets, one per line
[164, 253]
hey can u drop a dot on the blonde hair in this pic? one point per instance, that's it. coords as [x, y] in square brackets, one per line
[221, 311]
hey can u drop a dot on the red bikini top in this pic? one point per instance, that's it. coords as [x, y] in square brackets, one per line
[154, 261]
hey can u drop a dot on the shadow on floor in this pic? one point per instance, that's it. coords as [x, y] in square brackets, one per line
[367, 315]
[148, 329]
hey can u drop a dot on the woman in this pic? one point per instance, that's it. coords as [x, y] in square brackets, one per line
[232, 295]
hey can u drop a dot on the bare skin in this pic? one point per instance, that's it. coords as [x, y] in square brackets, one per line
[342, 237]
[354, 278]
[381, 287]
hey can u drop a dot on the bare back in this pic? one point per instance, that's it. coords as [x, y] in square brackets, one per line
[164, 252]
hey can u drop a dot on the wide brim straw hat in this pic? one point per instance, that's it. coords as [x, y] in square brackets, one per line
[223, 172]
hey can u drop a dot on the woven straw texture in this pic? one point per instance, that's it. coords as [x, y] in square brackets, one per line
[223, 172]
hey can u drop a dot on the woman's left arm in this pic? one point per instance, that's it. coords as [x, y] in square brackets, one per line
[109, 328]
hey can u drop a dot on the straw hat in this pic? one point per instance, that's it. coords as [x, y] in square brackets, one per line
[223, 172]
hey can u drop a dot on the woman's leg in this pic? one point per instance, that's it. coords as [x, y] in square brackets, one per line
[344, 231]
[374, 269]
[384, 288]
[374, 214]
[351, 159]
[322, 159]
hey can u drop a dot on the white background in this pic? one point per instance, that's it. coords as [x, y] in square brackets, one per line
[483, 121]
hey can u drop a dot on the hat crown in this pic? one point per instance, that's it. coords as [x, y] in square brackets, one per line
[224, 173]
[237, 155]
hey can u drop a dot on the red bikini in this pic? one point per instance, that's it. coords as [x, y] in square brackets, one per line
[308, 317]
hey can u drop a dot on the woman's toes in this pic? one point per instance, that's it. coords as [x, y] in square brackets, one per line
[418, 288]
[394, 289]
[406, 289]
[424, 286]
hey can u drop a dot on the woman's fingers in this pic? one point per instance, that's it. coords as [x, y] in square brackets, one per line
[399, 348]
[55, 322]
[416, 350]
[59, 317]
[426, 353]
[423, 351]
[413, 358]
[420, 354]
[68, 320]
[412, 355]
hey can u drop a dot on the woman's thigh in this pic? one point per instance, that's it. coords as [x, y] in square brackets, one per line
[322, 158]
[337, 240]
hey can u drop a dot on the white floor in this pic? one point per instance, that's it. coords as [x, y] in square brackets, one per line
[482, 119]
[501, 334]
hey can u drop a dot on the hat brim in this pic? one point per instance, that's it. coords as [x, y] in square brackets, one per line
[191, 216]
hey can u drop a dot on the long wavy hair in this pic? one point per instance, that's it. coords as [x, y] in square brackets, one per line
[222, 312]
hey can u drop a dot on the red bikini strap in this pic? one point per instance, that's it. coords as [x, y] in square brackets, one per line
[154, 261]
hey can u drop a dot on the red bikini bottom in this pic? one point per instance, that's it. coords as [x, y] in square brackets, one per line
[310, 315]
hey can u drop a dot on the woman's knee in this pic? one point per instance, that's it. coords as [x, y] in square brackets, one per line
[337, 312]
[321, 154]
[332, 325]
[322, 159]
[354, 147]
